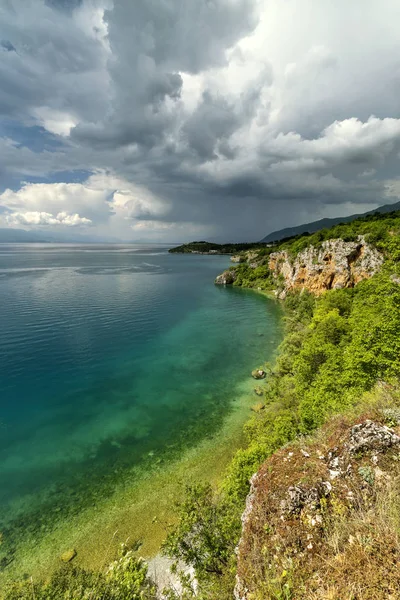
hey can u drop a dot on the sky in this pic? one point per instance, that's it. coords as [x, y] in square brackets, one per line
[170, 120]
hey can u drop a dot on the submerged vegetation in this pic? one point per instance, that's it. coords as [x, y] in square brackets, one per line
[340, 354]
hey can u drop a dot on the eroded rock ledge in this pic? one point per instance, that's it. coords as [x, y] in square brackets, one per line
[337, 264]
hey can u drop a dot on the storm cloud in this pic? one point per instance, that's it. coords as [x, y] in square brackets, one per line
[223, 119]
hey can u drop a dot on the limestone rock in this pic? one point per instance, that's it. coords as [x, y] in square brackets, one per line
[68, 555]
[337, 264]
[371, 436]
[299, 497]
[395, 279]
[226, 278]
[240, 591]
[238, 258]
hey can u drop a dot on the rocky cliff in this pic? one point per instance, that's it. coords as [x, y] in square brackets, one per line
[333, 265]
[337, 264]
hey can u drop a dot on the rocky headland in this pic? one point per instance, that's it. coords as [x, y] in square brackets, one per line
[335, 264]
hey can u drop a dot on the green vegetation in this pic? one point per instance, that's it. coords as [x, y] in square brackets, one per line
[209, 248]
[124, 579]
[343, 540]
[336, 348]
[381, 230]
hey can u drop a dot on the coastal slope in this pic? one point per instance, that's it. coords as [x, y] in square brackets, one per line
[309, 508]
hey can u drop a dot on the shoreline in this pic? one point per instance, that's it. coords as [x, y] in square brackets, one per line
[141, 506]
[140, 513]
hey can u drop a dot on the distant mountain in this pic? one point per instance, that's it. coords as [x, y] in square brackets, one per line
[22, 236]
[12, 236]
[323, 223]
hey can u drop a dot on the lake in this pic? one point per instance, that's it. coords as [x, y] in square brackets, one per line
[114, 360]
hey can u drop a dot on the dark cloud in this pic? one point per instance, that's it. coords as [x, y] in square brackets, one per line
[56, 64]
[213, 121]
[177, 35]
[152, 43]
[64, 5]
[235, 116]
[7, 45]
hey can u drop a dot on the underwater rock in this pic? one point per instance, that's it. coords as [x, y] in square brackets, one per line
[258, 374]
[258, 391]
[68, 555]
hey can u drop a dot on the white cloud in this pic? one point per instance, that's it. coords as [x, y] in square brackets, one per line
[55, 121]
[127, 198]
[55, 198]
[103, 199]
[36, 218]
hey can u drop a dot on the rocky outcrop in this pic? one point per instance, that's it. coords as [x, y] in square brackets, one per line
[226, 278]
[337, 264]
[371, 436]
[295, 500]
[251, 257]
[238, 258]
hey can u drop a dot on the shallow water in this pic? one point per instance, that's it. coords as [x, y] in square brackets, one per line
[111, 357]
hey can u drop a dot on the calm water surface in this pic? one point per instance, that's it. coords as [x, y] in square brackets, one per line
[109, 355]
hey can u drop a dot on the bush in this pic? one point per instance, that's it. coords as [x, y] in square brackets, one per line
[125, 579]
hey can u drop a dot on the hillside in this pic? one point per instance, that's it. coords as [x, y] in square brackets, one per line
[13, 236]
[322, 519]
[314, 226]
[35, 236]
[329, 259]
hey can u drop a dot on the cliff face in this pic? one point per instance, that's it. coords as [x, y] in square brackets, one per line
[337, 264]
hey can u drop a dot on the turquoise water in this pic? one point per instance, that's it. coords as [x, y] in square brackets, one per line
[110, 355]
